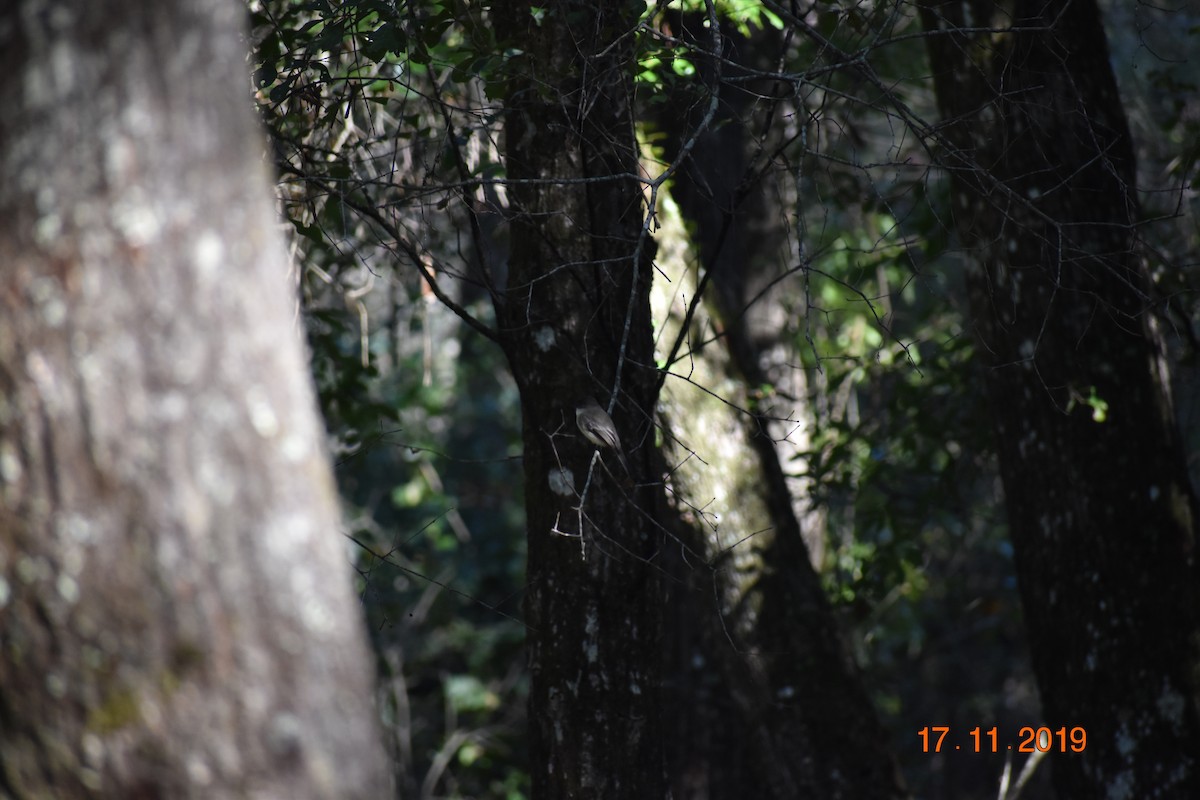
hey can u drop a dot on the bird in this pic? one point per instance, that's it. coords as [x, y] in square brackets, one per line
[597, 427]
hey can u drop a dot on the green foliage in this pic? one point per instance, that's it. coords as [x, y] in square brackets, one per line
[375, 109]
[386, 132]
[442, 566]
[650, 65]
[902, 460]
[902, 419]
[744, 14]
[345, 385]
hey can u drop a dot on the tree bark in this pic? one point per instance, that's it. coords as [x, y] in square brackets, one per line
[575, 320]
[768, 699]
[1100, 509]
[776, 707]
[175, 609]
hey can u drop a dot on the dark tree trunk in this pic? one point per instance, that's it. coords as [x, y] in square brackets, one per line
[1099, 505]
[175, 611]
[575, 320]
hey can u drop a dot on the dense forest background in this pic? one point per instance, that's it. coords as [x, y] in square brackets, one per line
[836, 205]
[892, 304]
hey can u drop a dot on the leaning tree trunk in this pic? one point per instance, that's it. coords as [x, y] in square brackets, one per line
[1099, 504]
[575, 320]
[175, 612]
[769, 702]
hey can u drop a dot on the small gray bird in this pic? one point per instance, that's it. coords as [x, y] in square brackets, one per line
[597, 427]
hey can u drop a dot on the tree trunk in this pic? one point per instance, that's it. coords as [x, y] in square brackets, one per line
[771, 704]
[175, 608]
[1099, 504]
[769, 700]
[575, 321]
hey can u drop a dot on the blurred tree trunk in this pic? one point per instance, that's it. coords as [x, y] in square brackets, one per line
[175, 610]
[1099, 504]
[575, 320]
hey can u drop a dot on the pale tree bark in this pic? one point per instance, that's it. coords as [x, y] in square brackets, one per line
[739, 217]
[766, 699]
[770, 702]
[176, 617]
[1101, 512]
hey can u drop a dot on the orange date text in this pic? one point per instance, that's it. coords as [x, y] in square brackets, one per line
[940, 739]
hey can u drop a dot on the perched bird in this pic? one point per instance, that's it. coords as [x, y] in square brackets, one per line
[597, 427]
